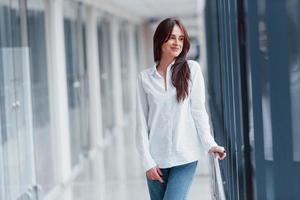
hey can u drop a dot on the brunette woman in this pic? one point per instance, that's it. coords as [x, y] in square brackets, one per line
[172, 122]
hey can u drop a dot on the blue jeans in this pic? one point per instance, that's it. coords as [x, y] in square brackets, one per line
[177, 181]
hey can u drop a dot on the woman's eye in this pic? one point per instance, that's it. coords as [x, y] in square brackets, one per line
[174, 38]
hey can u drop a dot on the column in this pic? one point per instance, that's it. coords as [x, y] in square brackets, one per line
[118, 131]
[58, 95]
[116, 73]
[94, 77]
[95, 99]
[133, 70]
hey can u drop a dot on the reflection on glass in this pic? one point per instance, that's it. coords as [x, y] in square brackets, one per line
[266, 109]
[294, 68]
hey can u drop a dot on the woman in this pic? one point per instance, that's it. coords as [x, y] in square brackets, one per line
[172, 122]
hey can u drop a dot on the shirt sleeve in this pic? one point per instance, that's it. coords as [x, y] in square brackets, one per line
[198, 109]
[142, 130]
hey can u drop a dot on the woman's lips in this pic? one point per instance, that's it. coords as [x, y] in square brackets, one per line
[175, 48]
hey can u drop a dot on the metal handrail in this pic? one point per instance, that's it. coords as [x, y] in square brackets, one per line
[219, 189]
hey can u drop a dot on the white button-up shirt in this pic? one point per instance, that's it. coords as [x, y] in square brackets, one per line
[169, 133]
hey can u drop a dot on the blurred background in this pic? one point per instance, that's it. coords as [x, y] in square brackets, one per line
[67, 96]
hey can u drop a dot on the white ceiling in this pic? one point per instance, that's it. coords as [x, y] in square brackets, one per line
[153, 11]
[149, 9]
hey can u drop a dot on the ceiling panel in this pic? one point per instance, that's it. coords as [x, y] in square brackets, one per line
[153, 11]
[160, 8]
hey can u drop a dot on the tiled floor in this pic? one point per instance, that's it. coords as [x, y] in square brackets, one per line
[90, 186]
[131, 190]
[115, 174]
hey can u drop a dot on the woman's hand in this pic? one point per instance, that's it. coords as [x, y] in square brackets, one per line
[219, 150]
[155, 174]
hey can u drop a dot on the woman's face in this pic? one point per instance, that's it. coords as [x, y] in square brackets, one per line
[173, 46]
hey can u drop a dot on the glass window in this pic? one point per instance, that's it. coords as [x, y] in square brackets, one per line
[15, 103]
[44, 158]
[78, 97]
[105, 75]
[3, 40]
[293, 7]
[265, 82]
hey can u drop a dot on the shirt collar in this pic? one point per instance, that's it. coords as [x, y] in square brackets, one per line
[155, 72]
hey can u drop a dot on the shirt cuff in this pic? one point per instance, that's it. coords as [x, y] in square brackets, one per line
[210, 145]
[148, 164]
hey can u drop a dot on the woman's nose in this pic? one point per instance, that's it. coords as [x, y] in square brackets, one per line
[176, 41]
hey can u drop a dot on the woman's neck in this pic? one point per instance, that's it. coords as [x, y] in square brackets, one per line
[164, 63]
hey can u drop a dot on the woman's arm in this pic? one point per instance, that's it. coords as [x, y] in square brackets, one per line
[199, 113]
[142, 130]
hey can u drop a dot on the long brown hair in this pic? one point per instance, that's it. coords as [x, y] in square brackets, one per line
[180, 70]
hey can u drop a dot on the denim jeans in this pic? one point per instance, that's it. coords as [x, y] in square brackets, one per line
[177, 181]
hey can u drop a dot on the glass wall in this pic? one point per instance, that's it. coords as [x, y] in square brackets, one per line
[17, 149]
[293, 23]
[4, 42]
[254, 68]
[278, 36]
[225, 93]
[293, 15]
[105, 75]
[77, 75]
[277, 25]
[44, 155]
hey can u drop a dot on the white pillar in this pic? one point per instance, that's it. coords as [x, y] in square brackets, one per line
[95, 98]
[94, 77]
[132, 58]
[141, 43]
[58, 95]
[116, 73]
[146, 45]
[132, 71]
[119, 149]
